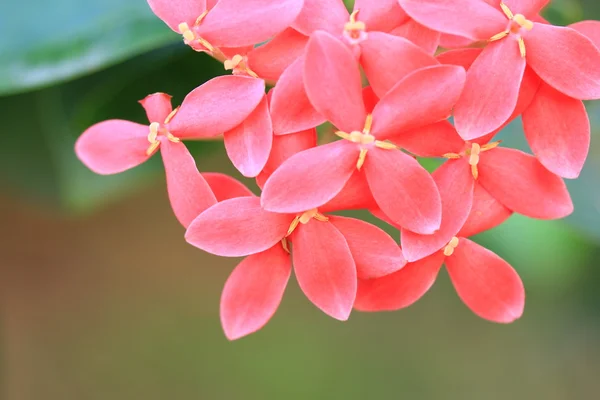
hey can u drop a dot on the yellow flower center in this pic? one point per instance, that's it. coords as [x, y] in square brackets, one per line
[192, 39]
[157, 129]
[473, 152]
[517, 24]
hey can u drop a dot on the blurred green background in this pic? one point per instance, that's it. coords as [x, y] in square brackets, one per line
[101, 298]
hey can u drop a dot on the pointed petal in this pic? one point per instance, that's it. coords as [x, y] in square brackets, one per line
[491, 90]
[380, 15]
[375, 253]
[291, 111]
[529, 87]
[324, 268]
[425, 38]
[448, 41]
[370, 99]
[461, 57]
[113, 146]
[285, 146]
[400, 289]
[487, 284]
[237, 227]
[455, 183]
[325, 15]
[217, 106]
[249, 144]
[333, 83]
[528, 8]
[473, 19]
[254, 291]
[424, 97]
[486, 213]
[157, 106]
[189, 193]
[432, 140]
[233, 23]
[589, 29]
[523, 185]
[565, 59]
[270, 60]
[558, 130]
[310, 179]
[225, 187]
[174, 12]
[387, 59]
[404, 190]
[355, 195]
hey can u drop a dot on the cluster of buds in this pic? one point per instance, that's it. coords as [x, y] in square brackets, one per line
[387, 76]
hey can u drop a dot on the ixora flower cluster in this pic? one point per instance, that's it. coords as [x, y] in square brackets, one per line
[388, 76]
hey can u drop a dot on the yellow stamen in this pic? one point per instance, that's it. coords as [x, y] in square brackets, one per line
[385, 145]
[361, 158]
[353, 24]
[452, 156]
[490, 146]
[474, 154]
[238, 62]
[522, 47]
[368, 124]
[171, 115]
[152, 148]
[449, 249]
[285, 245]
[190, 36]
[187, 33]
[499, 36]
[305, 219]
[523, 22]
[153, 132]
[506, 10]
[200, 18]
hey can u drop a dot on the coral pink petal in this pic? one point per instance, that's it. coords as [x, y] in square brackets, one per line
[249, 144]
[370, 99]
[285, 146]
[291, 111]
[333, 83]
[157, 106]
[324, 268]
[455, 183]
[225, 187]
[523, 185]
[565, 59]
[491, 90]
[461, 57]
[387, 59]
[433, 140]
[254, 291]
[380, 15]
[400, 289]
[486, 213]
[528, 8]
[589, 29]
[271, 59]
[113, 146]
[452, 41]
[425, 38]
[487, 284]
[217, 106]
[174, 12]
[188, 191]
[375, 253]
[233, 23]
[325, 15]
[237, 227]
[424, 97]
[355, 195]
[558, 130]
[529, 87]
[310, 178]
[473, 19]
[404, 190]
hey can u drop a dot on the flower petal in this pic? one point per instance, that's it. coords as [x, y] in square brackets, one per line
[565, 59]
[174, 12]
[254, 291]
[113, 146]
[461, 57]
[233, 23]
[370, 99]
[558, 130]
[325, 15]
[473, 19]
[491, 90]
[589, 29]
[333, 83]
[424, 97]
[528, 8]
[400, 289]
[455, 183]
[448, 41]
[380, 15]
[433, 140]
[355, 195]
[404, 190]
[158, 107]
[523, 185]
[217, 106]
[487, 284]
[310, 178]
[271, 59]
[425, 38]
[374, 252]
[387, 59]
[237, 227]
[249, 144]
[291, 111]
[225, 187]
[324, 268]
[486, 213]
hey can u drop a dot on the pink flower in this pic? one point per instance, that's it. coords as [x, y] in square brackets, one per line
[115, 146]
[564, 59]
[403, 190]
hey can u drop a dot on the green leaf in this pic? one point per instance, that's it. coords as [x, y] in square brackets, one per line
[44, 42]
